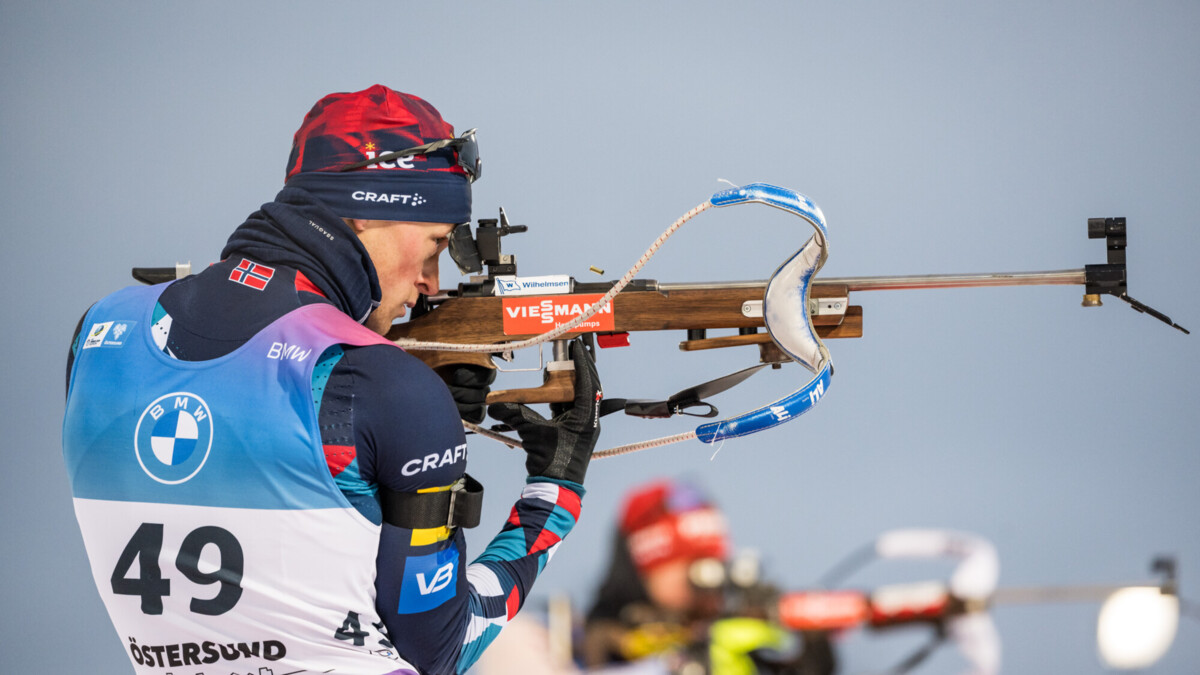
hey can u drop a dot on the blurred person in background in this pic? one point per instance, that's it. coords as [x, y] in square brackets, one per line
[674, 598]
[668, 535]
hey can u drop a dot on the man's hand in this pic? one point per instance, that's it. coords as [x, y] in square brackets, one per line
[561, 447]
[469, 385]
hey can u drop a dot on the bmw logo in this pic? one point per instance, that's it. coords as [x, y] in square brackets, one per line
[173, 437]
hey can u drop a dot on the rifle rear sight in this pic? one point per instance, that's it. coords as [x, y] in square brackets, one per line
[472, 252]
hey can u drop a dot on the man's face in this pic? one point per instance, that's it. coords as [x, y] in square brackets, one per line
[406, 260]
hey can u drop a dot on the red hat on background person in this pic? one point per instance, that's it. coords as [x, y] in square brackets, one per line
[332, 149]
[666, 521]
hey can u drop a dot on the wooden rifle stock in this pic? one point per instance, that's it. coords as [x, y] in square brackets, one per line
[694, 308]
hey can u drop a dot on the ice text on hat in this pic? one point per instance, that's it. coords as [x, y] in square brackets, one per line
[405, 162]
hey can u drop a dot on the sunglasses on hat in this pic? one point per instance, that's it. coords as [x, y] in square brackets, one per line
[465, 146]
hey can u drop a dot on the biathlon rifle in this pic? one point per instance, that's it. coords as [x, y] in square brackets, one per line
[499, 307]
[1142, 615]
[957, 608]
[498, 312]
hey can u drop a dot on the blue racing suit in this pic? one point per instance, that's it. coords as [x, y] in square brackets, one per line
[376, 417]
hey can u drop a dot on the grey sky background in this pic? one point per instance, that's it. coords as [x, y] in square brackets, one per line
[936, 136]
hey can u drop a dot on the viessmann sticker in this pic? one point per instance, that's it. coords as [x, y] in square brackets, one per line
[531, 315]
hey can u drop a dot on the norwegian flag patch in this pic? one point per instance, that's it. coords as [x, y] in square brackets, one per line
[252, 274]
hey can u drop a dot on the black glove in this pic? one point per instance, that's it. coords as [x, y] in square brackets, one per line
[561, 447]
[469, 385]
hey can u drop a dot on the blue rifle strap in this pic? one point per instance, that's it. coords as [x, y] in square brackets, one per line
[803, 399]
[783, 410]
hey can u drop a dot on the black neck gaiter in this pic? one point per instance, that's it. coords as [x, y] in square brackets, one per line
[297, 230]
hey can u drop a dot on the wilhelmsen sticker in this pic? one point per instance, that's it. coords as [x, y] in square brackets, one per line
[546, 285]
[173, 437]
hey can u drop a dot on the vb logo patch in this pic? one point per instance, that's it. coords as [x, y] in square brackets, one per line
[173, 437]
[429, 580]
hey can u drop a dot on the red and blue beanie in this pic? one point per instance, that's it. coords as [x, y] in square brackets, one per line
[665, 521]
[347, 128]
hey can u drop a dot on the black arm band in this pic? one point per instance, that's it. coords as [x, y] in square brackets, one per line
[460, 506]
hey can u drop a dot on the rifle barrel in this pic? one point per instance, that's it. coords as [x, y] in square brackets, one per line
[885, 283]
[918, 281]
[1054, 278]
[1061, 594]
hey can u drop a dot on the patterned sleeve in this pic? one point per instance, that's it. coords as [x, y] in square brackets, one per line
[502, 577]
